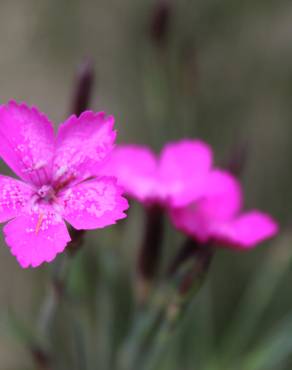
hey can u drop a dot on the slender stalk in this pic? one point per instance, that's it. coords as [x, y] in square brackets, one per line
[254, 303]
[187, 274]
[137, 342]
[55, 294]
[155, 325]
[150, 252]
[190, 265]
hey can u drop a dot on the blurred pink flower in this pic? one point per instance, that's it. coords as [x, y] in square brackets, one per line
[217, 217]
[175, 178]
[202, 202]
[59, 180]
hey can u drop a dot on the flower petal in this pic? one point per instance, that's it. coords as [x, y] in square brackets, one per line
[219, 203]
[183, 168]
[191, 222]
[14, 195]
[135, 167]
[247, 230]
[26, 142]
[222, 197]
[82, 144]
[94, 204]
[35, 239]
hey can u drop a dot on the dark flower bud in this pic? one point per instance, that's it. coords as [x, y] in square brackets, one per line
[83, 88]
[160, 19]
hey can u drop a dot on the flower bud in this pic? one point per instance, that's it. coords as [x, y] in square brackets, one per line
[83, 88]
[159, 24]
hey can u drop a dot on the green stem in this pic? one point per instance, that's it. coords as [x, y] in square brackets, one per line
[253, 305]
[138, 340]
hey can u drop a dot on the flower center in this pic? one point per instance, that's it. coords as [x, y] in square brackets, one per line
[47, 193]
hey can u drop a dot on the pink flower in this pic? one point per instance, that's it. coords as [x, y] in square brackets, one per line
[202, 202]
[175, 178]
[216, 215]
[59, 180]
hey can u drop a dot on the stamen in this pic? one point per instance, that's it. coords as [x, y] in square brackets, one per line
[62, 184]
[39, 223]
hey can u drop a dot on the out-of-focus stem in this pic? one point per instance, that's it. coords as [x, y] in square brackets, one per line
[188, 271]
[149, 252]
[186, 275]
[200, 254]
[255, 300]
[55, 293]
[77, 238]
[155, 325]
[41, 355]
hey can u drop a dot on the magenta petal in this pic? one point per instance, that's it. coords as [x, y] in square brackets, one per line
[135, 167]
[222, 197]
[94, 204]
[183, 168]
[191, 222]
[14, 196]
[247, 230]
[26, 142]
[82, 144]
[220, 202]
[33, 242]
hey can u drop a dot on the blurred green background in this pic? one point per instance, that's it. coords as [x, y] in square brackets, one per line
[221, 72]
